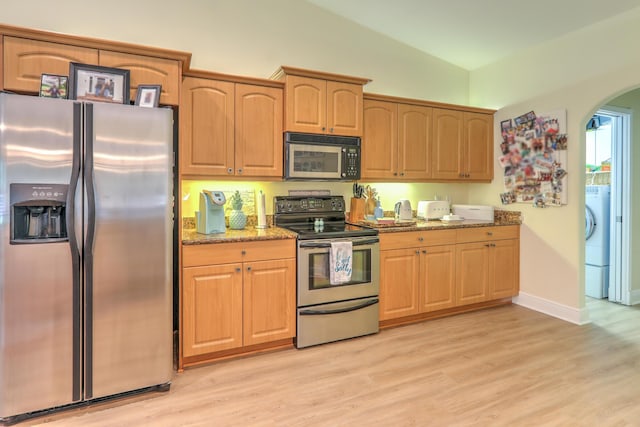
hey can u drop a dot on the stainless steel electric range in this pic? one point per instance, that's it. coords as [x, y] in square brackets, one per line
[329, 312]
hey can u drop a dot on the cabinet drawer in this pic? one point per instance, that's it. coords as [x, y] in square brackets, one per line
[412, 239]
[482, 234]
[224, 253]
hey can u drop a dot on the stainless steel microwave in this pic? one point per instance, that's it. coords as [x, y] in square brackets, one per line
[321, 157]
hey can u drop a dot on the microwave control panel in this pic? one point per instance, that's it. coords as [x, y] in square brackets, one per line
[351, 163]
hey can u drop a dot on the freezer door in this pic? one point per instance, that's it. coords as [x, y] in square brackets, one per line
[36, 286]
[128, 262]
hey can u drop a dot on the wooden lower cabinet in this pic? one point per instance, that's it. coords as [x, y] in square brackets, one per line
[212, 302]
[233, 305]
[426, 272]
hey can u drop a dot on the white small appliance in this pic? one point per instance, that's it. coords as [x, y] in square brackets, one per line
[433, 209]
[480, 213]
[403, 210]
[210, 218]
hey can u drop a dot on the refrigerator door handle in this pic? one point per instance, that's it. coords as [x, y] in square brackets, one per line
[88, 251]
[76, 166]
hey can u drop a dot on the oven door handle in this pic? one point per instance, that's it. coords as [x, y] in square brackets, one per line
[328, 245]
[339, 310]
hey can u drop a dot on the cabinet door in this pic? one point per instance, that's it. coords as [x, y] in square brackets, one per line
[399, 281]
[478, 147]
[344, 109]
[258, 131]
[380, 140]
[212, 309]
[269, 301]
[472, 281]
[147, 70]
[438, 272]
[26, 60]
[306, 104]
[505, 268]
[414, 141]
[447, 144]
[206, 127]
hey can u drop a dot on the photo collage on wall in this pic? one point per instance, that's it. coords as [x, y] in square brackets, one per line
[534, 158]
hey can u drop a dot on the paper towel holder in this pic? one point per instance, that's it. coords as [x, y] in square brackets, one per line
[261, 214]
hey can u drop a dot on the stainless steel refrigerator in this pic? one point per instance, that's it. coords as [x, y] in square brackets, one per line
[85, 251]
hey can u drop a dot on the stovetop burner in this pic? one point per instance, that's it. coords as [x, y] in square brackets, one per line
[299, 214]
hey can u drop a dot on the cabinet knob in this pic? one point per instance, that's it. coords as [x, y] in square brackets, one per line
[417, 252]
[424, 251]
[420, 239]
[239, 171]
[489, 233]
[238, 270]
[248, 268]
[323, 128]
[331, 130]
[230, 171]
[243, 252]
[401, 173]
[395, 174]
[488, 245]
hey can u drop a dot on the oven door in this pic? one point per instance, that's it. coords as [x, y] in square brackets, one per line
[309, 161]
[314, 286]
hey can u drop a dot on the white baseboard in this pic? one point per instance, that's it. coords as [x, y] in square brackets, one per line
[561, 311]
[634, 297]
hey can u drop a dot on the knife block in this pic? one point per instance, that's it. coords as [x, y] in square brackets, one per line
[356, 213]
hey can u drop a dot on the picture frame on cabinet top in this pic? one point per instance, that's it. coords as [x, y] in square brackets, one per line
[97, 83]
[148, 96]
[54, 86]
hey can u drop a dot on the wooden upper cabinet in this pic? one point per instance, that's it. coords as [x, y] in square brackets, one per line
[147, 70]
[26, 60]
[230, 129]
[380, 140]
[306, 109]
[324, 103]
[207, 127]
[258, 131]
[396, 141]
[344, 109]
[447, 143]
[478, 148]
[462, 145]
[414, 127]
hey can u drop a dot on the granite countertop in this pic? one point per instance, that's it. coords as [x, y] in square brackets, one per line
[501, 218]
[250, 233]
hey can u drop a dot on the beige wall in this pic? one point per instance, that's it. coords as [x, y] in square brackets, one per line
[579, 73]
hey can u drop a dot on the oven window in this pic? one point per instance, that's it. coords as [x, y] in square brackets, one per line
[319, 269]
[316, 161]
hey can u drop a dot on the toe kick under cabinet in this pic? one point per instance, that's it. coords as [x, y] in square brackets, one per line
[237, 297]
[430, 273]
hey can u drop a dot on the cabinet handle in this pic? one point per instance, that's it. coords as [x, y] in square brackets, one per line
[420, 239]
[488, 245]
[243, 252]
[248, 268]
[395, 174]
[401, 173]
[230, 171]
[238, 269]
[424, 251]
[323, 128]
[239, 171]
[331, 130]
[417, 252]
[489, 233]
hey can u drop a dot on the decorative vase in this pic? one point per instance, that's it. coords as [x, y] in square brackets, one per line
[237, 220]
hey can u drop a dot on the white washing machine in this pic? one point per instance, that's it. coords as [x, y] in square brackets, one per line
[597, 203]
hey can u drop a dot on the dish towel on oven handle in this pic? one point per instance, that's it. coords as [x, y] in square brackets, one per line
[340, 262]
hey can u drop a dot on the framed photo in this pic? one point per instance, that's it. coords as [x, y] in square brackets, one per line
[54, 86]
[148, 95]
[96, 83]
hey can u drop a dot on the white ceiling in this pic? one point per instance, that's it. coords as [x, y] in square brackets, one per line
[473, 33]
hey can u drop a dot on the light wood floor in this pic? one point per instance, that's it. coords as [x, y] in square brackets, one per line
[506, 366]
